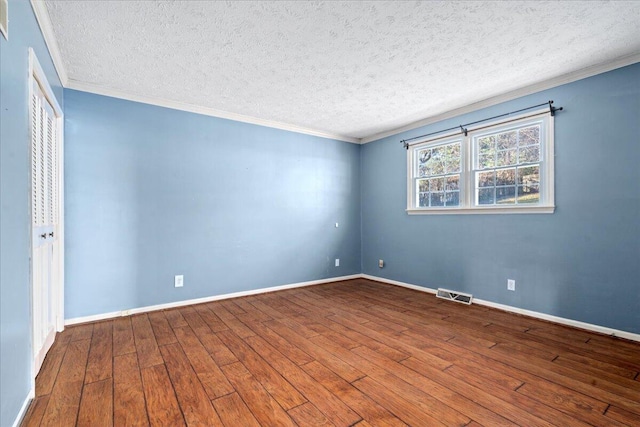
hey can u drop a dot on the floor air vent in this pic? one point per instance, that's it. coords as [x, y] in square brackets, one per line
[454, 296]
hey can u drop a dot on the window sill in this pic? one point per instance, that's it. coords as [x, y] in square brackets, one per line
[492, 210]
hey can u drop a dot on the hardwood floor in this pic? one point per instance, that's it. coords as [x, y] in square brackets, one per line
[354, 353]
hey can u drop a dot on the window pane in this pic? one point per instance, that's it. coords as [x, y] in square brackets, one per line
[453, 183]
[487, 144]
[424, 155]
[507, 140]
[486, 179]
[423, 162]
[436, 184]
[506, 176]
[453, 198]
[505, 195]
[486, 161]
[440, 160]
[437, 161]
[499, 177]
[486, 152]
[529, 135]
[437, 199]
[486, 196]
[530, 154]
[437, 168]
[452, 158]
[438, 175]
[423, 193]
[507, 158]
[529, 175]
[528, 194]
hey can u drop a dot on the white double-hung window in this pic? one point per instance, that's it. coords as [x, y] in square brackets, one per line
[504, 167]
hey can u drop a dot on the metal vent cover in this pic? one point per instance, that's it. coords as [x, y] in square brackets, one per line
[454, 296]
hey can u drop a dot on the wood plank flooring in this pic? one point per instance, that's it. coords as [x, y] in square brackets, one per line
[354, 353]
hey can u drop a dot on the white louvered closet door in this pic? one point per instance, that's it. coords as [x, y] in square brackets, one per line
[44, 221]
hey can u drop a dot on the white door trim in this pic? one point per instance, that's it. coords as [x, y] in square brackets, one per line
[37, 74]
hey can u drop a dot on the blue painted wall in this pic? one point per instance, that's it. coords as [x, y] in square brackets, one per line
[153, 192]
[582, 262]
[15, 331]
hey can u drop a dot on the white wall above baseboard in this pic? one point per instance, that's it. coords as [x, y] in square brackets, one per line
[113, 314]
[543, 316]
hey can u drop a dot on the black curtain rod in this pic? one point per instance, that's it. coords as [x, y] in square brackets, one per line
[464, 130]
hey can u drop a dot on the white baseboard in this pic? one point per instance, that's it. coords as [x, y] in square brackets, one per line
[94, 318]
[561, 320]
[403, 284]
[111, 315]
[543, 316]
[25, 407]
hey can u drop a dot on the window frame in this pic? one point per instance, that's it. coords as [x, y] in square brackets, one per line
[468, 159]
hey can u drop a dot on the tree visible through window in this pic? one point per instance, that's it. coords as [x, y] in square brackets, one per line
[510, 168]
[439, 173]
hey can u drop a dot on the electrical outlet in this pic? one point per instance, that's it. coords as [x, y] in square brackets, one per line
[178, 281]
[337, 262]
[380, 263]
[511, 285]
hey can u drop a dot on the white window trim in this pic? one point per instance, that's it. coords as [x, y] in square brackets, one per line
[467, 203]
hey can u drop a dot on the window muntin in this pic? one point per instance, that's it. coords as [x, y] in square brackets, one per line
[502, 168]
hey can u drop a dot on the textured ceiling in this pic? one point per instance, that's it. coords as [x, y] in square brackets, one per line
[348, 68]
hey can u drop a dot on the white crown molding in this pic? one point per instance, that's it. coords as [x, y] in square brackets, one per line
[192, 108]
[543, 316]
[42, 16]
[182, 303]
[514, 94]
[25, 407]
